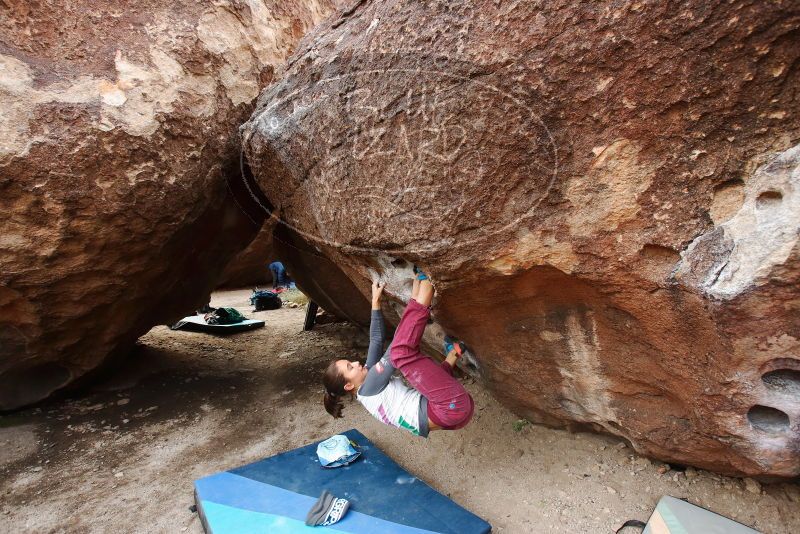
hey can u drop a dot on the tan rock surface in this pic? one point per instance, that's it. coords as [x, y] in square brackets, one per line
[117, 130]
[625, 176]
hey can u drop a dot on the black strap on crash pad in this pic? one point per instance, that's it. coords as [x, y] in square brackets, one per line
[635, 523]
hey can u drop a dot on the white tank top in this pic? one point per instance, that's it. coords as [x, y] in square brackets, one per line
[397, 405]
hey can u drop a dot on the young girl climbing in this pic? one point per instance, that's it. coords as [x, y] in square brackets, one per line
[436, 399]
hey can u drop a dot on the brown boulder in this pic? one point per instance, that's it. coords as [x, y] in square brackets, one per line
[117, 130]
[250, 266]
[316, 275]
[606, 195]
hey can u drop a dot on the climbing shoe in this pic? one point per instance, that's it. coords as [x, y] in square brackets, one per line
[451, 343]
[419, 274]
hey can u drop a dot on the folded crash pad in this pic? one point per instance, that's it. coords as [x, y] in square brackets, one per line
[196, 323]
[275, 494]
[675, 516]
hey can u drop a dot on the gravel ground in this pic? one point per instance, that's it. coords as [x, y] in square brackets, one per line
[122, 457]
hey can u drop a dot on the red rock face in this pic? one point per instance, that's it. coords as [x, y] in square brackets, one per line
[117, 131]
[606, 196]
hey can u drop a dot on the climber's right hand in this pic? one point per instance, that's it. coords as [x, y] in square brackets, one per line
[377, 291]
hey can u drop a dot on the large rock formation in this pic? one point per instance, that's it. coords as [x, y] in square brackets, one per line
[117, 130]
[607, 196]
[318, 276]
[249, 267]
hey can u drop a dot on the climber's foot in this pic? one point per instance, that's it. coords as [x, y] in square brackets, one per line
[452, 346]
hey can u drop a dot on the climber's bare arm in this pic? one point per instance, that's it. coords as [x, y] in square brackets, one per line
[424, 292]
[377, 292]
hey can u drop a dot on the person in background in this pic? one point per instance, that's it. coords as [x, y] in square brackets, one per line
[279, 276]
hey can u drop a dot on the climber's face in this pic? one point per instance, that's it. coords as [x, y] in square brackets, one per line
[353, 372]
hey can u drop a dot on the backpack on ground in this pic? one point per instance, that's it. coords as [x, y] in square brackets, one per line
[263, 299]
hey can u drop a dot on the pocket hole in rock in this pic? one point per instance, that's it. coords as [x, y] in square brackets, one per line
[399, 262]
[784, 381]
[768, 419]
[728, 199]
[769, 199]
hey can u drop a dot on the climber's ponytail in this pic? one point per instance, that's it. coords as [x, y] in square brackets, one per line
[334, 390]
[333, 404]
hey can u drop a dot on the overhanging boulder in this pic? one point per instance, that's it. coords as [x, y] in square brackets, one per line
[605, 194]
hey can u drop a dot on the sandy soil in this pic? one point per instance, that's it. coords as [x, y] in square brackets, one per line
[122, 458]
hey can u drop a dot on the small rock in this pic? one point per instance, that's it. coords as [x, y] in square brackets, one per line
[752, 486]
[126, 421]
[119, 474]
[621, 445]
[611, 490]
[37, 468]
[691, 472]
[123, 402]
[663, 469]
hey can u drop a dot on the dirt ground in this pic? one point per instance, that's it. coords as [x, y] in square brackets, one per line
[122, 457]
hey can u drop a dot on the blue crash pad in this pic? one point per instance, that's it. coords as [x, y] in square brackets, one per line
[275, 494]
